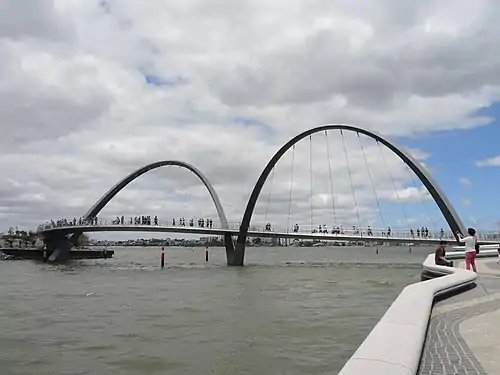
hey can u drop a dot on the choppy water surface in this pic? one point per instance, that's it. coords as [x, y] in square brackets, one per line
[289, 311]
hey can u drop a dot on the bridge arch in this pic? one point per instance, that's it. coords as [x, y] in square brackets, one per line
[439, 197]
[104, 200]
[61, 245]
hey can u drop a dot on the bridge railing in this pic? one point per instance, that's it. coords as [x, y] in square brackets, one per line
[492, 236]
[362, 232]
[302, 229]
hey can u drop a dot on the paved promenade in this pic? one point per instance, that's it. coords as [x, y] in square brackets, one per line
[464, 330]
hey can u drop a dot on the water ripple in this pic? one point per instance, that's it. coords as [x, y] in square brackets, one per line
[289, 311]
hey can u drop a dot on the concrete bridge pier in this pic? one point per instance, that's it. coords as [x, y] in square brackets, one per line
[58, 246]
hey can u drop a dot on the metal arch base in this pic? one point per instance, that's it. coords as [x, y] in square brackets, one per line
[104, 200]
[439, 197]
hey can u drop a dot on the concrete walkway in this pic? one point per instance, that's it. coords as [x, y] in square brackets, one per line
[464, 330]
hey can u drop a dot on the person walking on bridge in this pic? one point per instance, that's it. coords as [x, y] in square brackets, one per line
[470, 248]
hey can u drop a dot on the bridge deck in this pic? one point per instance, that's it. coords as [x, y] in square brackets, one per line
[251, 233]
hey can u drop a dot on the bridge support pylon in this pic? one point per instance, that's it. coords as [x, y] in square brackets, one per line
[238, 255]
[58, 246]
[230, 252]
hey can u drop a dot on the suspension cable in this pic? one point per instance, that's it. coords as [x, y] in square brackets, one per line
[331, 178]
[269, 195]
[311, 180]
[371, 180]
[352, 184]
[393, 184]
[427, 211]
[290, 192]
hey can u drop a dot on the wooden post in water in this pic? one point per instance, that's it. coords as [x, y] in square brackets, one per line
[162, 257]
[206, 252]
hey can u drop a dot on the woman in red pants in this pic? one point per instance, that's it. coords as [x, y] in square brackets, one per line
[470, 248]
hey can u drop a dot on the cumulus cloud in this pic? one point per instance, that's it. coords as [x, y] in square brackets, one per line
[27, 19]
[465, 181]
[90, 91]
[466, 202]
[490, 162]
[416, 154]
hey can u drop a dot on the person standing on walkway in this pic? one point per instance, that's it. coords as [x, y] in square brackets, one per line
[498, 261]
[470, 248]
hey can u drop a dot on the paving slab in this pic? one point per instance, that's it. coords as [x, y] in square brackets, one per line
[485, 266]
[482, 335]
[460, 338]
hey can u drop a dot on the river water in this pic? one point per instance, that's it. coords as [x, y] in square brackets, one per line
[289, 311]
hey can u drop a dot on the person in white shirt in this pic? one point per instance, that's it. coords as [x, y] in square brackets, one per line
[498, 261]
[470, 248]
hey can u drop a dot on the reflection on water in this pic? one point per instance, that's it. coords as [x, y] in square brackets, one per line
[290, 311]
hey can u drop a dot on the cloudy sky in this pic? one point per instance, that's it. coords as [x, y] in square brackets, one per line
[91, 90]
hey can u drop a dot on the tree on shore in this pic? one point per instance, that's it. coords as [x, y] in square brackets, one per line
[24, 237]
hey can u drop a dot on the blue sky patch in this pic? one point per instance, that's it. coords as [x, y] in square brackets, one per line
[453, 158]
[248, 121]
[156, 80]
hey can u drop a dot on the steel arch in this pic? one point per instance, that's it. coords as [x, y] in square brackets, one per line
[439, 197]
[63, 244]
[104, 200]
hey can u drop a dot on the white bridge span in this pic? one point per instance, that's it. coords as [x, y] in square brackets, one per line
[234, 232]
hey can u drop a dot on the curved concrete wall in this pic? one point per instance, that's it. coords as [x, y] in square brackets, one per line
[395, 344]
[484, 253]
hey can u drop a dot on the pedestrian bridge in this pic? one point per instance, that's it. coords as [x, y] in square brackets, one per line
[60, 238]
[396, 238]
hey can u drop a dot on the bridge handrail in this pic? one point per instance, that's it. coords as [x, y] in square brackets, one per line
[434, 232]
[261, 228]
[395, 344]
